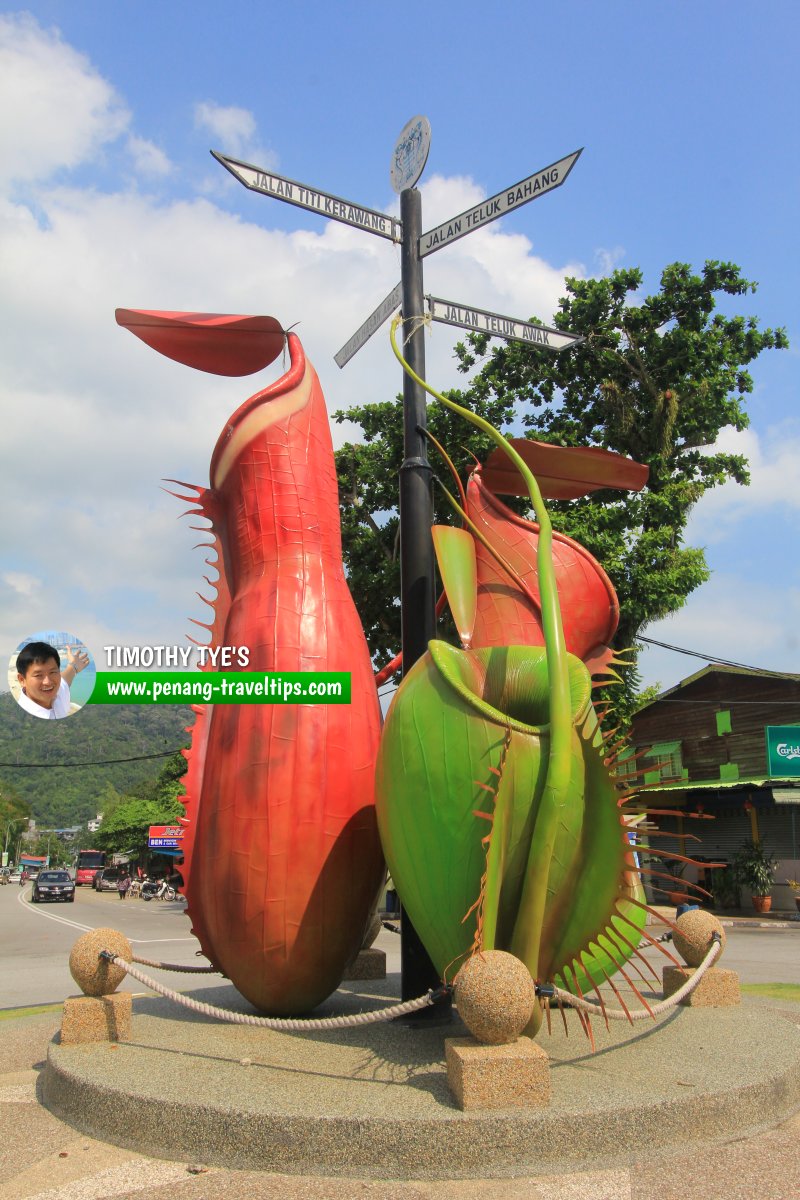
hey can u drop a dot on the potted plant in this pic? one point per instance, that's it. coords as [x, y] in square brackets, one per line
[794, 884]
[754, 868]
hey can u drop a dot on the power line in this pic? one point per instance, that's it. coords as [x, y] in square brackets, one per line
[710, 658]
[726, 662]
[103, 762]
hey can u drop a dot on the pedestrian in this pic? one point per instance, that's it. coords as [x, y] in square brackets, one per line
[123, 884]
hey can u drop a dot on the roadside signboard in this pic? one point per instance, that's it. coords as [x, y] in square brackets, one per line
[258, 179]
[496, 206]
[373, 322]
[783, 751]
[480, 321]
[165, 837]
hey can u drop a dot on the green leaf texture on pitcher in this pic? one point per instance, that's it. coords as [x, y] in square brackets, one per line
[461, 786]
[499, 815]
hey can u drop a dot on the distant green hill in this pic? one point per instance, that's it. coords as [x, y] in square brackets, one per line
[65, 792]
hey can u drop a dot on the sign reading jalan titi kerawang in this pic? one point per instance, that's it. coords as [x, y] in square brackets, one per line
[783, 751]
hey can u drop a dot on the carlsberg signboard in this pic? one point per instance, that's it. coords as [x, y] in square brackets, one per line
[783, 751]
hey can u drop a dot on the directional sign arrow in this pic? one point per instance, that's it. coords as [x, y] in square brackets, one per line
[480, 321]
[372, 323]
[300, 194]
[496, 206]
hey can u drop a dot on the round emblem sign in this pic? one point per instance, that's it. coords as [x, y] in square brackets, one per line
[410, 153]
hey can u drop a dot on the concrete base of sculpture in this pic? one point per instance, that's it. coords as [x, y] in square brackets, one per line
[374, 1101]
[367, 964]
[96, 1019]
[719, 988]
[512, 1075]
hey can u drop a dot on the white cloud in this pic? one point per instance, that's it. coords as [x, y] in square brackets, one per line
[90, 543]
[235, 130]
[608, 259]
[55, 109]
[734, 617]
[148, 159]
[100, 543]
[774, 481]
[25, 586]
[744, 613]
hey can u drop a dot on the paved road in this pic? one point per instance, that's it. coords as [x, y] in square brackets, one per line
[36, 940]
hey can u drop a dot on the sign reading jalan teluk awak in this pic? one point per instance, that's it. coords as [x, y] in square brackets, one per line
[783, 751]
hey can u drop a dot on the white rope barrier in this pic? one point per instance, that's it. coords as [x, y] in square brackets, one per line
[192, 969]
[299, 1025]
[655, 1010]
[283, 1024]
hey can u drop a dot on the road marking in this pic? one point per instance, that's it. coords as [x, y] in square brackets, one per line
[147, 941]
[37, 912]
[90, 928]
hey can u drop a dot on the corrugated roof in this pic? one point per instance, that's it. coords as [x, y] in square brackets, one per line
[691, 785]
[719, 668]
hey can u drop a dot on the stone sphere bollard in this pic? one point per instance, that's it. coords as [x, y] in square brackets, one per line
[495, 996]
[693, 936]
[96, 976]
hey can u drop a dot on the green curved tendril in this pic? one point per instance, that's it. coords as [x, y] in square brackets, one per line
[526, 938]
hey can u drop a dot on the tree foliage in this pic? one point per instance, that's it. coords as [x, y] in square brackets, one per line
[59, 795]
[655, 378]
[368, 486]
[125, 829]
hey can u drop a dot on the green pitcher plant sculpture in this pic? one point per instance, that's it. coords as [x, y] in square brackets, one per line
[503, 822]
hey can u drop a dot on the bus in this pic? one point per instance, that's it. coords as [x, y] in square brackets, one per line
[87, 864]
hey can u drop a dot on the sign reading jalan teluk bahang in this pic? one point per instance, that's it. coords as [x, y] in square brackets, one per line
[417, 597]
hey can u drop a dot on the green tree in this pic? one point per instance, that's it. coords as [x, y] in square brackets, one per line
[52, 847]
[655, 378]
[14, 816]
[368, 484]
[125, 828]
[126, 831]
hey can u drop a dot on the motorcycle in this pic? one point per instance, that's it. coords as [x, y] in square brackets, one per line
[153, 889]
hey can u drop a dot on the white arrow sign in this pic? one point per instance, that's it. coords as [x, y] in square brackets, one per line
[299, 194]
[373, 322]
[480, 321]
[496, 206]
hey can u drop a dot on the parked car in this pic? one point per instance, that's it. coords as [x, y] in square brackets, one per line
[107, 879]
[53, 885]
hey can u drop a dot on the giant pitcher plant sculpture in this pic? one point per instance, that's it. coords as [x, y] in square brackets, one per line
[502, 820]
[282, 861]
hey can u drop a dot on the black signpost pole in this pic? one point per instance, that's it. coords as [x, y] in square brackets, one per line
[417, 594]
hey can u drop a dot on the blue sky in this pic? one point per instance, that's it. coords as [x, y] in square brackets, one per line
[108, 197]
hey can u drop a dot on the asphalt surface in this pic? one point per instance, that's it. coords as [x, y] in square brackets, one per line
[42, 1158]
